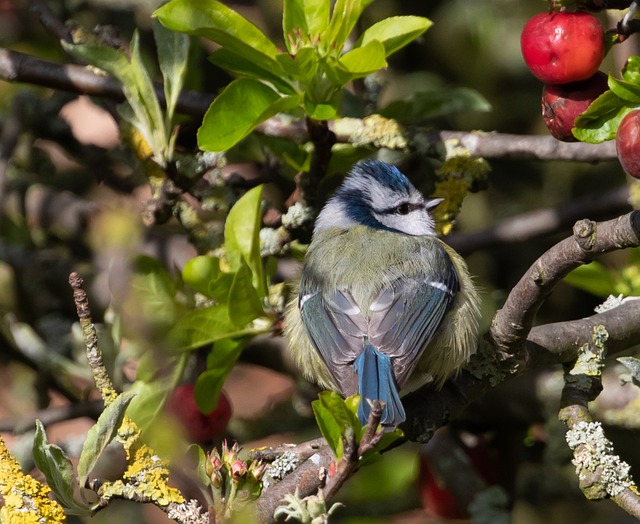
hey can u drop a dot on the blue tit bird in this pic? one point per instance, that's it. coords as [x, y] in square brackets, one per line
[382, 305]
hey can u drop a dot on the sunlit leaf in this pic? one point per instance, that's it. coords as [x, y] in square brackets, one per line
[58, 470]
[600, 122]
[328, 424]
[625, 90]
[204, 326]
[396, 32]
[242, 236]
[221, 24]
[244, 302]
[235, 112]
[302, 19]
[343, 19]
[220, 361]
[364, 60]
[101, 434]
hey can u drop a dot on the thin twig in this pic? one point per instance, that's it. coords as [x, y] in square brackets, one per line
[18, 67]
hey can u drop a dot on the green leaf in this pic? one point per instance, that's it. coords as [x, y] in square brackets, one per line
[220, 361]
[173, 53]
[221, 24]
[136, 84]
[329, 427]
[149, 400]
[244, 302]
[425, 105]
[320, 111]
[101, 434]
[343, 20]
[149, 299]
[242, 236]
[625, 90]
[240, 66]
[631, 70]
[58, 471]
[207, 325]
[303, 66]
[199, 272]
[364, 60]
[396, 32]
[600, 122]
[593, 278]
[200, 459]
[235, 112]
[304, 20]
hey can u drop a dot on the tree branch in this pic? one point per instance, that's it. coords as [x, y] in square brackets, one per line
[513, 322]
[18, 67]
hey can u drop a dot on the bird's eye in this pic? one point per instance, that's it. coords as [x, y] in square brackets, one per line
[403, 209]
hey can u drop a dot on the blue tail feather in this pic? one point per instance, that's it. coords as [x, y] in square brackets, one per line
[376, 382]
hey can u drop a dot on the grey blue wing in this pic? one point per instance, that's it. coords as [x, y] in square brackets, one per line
[406, 315]
[336, 327]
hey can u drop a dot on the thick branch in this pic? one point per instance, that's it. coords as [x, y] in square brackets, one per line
[513, 322]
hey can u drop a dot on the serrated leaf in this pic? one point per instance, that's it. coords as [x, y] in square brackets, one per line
[58, 471]
[237, 110]
[242, 236]
[625, 90]
[396, 32]
[593, 278]
[101, 434]
[244, 302]
[600, 122]
[221, 24]
[220, 361]
[173, 53]
[304, 20]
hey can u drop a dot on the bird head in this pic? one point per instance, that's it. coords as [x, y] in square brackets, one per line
[379, 196]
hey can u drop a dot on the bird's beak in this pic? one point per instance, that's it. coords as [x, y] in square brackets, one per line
[432, 203]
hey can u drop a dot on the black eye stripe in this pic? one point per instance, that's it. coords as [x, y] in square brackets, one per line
[401, 209]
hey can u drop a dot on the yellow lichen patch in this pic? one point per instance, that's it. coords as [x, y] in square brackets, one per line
[26, 501]
[459, 173]
[146, 478]
[374, 130]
